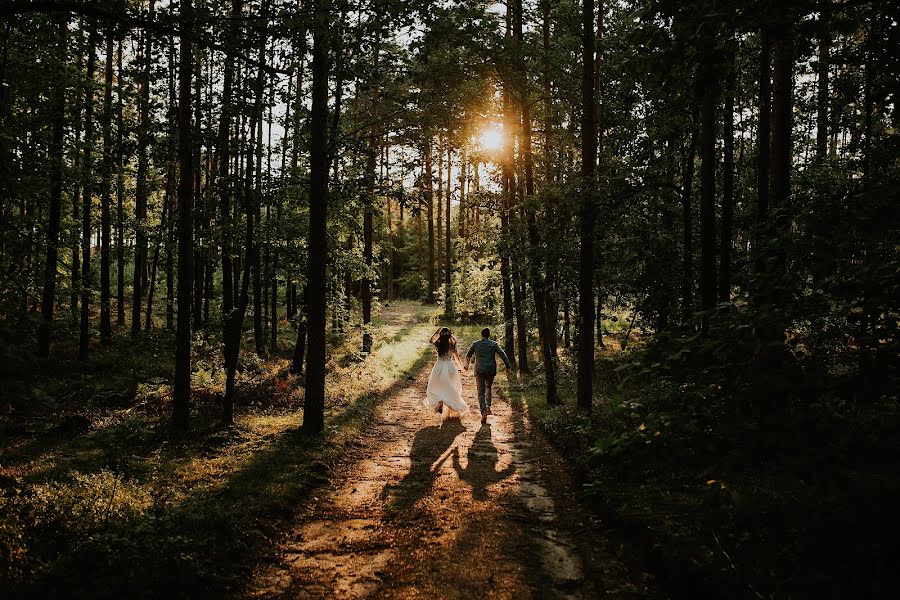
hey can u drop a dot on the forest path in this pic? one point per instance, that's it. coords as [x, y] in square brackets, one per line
[446, 508]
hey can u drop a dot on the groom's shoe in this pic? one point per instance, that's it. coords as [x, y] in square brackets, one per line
[484, 418]
[489, 411]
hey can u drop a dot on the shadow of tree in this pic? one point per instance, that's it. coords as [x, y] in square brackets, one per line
[429, 447]
[481, 471]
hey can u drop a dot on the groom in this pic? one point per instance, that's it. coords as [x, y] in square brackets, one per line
[485, 351]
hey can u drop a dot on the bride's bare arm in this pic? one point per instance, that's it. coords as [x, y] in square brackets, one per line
[456, 356]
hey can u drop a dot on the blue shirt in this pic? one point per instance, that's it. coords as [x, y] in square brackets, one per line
[485, 351]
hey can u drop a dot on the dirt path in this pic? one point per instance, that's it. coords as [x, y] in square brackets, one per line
[439, 508]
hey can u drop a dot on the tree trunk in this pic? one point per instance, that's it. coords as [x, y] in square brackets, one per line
[106, 198]
[224, 174]
[538, 286]
[120, 196]
[822, 92]
[429, 199]
[314, 408]
[235, 323]
[199, 225]
[58, 122]
[687, 189]
[439, 200]
[87, 197]
[509, 314]
[300, 346]
[255, 195]
[764, 135]
[371, 165]
[171, 193]
[182, 391]
[155, 263]
[708, 195]
[141, 191]
[76, 191]
[448, 255]
[372, 153]
[586, 262]
[725, 239]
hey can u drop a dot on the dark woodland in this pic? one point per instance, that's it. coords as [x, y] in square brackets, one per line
[229, 227]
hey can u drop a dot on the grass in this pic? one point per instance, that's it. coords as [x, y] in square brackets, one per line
[101, 500]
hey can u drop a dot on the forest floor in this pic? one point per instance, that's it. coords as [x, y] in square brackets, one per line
[99, 499]
[431, 506]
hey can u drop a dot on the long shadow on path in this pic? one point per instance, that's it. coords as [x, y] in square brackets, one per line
[429, 446]
[481, 471]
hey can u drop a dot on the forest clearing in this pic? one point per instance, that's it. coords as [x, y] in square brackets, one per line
[249, 249]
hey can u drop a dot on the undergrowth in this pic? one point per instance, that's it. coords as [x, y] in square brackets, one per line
[100, 499]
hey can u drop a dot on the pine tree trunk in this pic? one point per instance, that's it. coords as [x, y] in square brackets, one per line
[439, 200]
[76, 189]
[822, 91]
[300, 345]
[586, 224]
[163, 225]
[429, 199]
[535, 260]
[106, 199]
[87, 197]
[763, 142]
[448, 255]
[687, 262]
[58, 116]
[182, 391]
[141, 191]
[120, 196]
[314, 408]
[172, 194]
[199, 229]
[224, 175]
[725, 239]
[708, 195]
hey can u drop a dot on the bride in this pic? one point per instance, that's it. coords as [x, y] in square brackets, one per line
[444, 385]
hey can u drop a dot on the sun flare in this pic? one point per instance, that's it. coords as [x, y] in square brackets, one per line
[491, 139]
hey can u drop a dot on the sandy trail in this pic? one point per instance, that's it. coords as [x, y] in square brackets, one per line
[444, 508]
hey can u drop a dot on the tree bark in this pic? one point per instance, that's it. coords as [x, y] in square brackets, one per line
[58, 112]
[708, 194]
[429, 199]
[106, 198]
[448, 255]
[155, 263]
[120, 196]
[538, 285]
[314, 407]
[586, 262]
[725, 238]
[235, 322]
[687, 189]
[76, 191]
[224, 173]
[439, 200]
[141, 191]
[822, 92]
[87, 197]
[763, 135]
[182, 391]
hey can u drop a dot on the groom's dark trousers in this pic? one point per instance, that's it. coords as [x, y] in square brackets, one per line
[484, 381]
[485, 352]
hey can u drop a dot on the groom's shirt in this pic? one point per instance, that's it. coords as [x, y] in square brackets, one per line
[485, 351]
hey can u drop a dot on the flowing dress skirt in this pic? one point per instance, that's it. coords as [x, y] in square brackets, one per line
[444, 385]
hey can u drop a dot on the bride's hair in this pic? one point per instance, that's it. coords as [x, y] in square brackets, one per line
[443, 340]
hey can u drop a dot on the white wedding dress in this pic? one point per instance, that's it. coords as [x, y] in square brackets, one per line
[444, 385]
